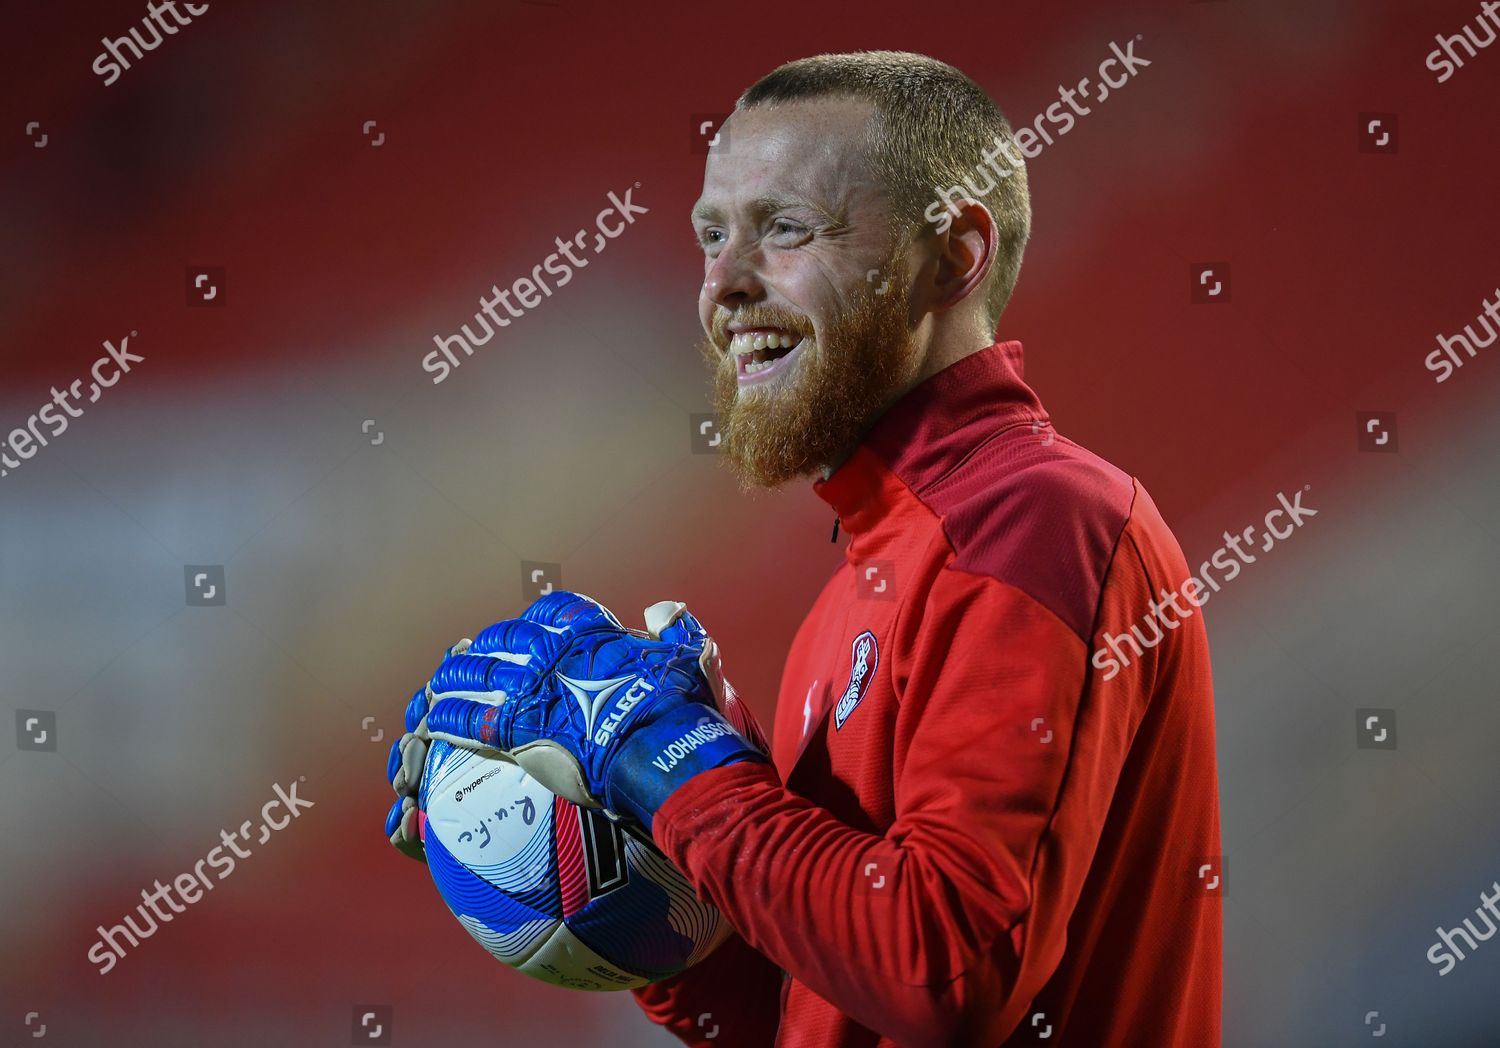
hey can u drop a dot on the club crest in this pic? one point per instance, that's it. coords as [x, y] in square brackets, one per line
[864, 656]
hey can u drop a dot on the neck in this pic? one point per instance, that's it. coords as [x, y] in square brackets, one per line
[938, 358]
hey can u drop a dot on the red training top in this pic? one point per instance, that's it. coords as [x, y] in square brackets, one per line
[988, 835]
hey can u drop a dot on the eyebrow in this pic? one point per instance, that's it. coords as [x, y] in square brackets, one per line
[765, 205]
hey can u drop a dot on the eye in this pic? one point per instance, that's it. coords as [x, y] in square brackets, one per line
[707, 238]
[786, 227]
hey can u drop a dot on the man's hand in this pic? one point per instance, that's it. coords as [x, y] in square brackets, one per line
[404, 770]
[601, 715]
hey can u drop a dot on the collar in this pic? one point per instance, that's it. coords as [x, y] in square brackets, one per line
[928, 431]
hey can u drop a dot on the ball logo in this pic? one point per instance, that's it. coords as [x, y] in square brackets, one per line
[864, 657]
[464, 791]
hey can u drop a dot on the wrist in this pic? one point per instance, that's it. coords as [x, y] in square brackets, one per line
[661, 756]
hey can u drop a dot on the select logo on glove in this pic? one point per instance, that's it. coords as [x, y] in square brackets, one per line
[637, 692]
[864, 657]
[593, 695]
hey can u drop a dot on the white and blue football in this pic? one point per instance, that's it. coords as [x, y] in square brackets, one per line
[559, 892]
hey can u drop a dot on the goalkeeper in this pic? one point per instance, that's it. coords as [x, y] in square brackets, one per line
[966, 833]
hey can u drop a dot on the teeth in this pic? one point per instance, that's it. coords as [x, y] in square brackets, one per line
[751, 342]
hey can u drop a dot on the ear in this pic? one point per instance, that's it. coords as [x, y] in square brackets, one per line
[965, 253]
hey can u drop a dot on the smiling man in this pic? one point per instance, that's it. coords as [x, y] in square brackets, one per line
[964, 832]
[968, 836]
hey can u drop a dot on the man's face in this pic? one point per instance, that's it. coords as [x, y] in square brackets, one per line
[805, 300]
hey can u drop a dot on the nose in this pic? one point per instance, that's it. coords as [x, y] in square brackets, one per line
[731, 278]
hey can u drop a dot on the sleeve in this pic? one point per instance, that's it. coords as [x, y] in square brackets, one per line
[732, 999]
[941, 930]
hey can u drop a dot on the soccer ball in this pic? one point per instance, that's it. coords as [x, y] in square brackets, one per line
[559, 892]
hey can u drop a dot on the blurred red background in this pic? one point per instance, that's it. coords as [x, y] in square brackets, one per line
[242, 440]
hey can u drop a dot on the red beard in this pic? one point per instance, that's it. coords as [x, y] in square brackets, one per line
[842, 381]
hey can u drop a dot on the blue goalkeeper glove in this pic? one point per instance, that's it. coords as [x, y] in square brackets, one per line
[404, 768]
[408, 756]
[601, 715]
